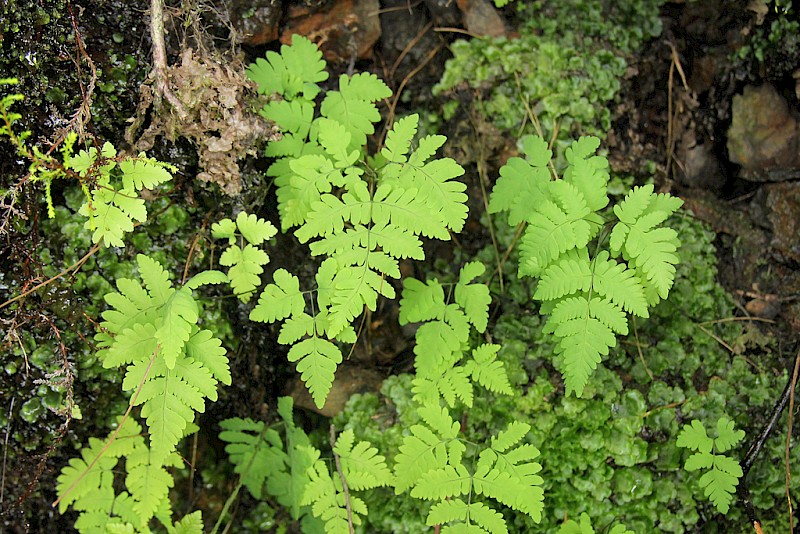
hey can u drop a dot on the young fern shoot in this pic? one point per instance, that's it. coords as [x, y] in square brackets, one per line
[587, 296]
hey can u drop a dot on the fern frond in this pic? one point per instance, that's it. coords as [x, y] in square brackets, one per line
[362, 466]
[255, 450]
[295, 71]
[179, 315]
[425, 449]
[583, 340]
[615, 281]
[487, 371]
[421, 301]
[447, 481]
[206, 349]
[316, 362]
[486, 520]
[245, 267]
[170, 399]
[720, 482]
[149, 484]
[567, 275]
[189, 524]
[352, 106]
[553, 230]
[587, 172]
[279, 300]
[473, 298]
[511, 477]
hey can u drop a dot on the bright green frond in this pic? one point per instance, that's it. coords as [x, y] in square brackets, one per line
[316, 362]
[363, 467]
[520, 187]
[421, 301]
[297, 69]
[279, 300]
[447, 481]
[180, 314]
[487, 371]
[582, 343]
[727, 438]
[246, 265]
[473, 298]
[255, 229]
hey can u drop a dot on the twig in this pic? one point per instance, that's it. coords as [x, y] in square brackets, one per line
[344, 482]
[755, 450]
[74, 267]
[113, 437]
[789, 440]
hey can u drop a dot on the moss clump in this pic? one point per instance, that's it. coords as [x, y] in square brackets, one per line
[566, 67]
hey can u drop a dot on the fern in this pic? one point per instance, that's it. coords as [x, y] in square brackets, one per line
[585, 527]
[296, 476]
[245, 263]
[720, 482]
[431, 464]
[111, 182]
[587, 298]
[171, 367]
[114, 204]
[442, 341]
[361, 215]
[88, 485]
[262, 461]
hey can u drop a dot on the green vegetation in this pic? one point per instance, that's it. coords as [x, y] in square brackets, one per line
[566, 68]
[721, 481]
[485, 435]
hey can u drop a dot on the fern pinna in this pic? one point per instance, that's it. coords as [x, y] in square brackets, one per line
[587, 297]
[361, 214]
[171, 367]
[433, 463]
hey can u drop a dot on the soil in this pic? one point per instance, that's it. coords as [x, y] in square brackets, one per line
[692, 64]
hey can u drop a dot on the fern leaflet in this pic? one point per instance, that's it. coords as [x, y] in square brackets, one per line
[720, 482]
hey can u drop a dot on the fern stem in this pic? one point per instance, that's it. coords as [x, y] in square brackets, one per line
[226, 507]
[116, 431]
[344, 482]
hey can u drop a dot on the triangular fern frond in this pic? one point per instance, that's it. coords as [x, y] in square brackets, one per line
[316, 360]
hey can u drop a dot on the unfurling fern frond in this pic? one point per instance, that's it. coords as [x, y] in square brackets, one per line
[719, 484]
[588, 298]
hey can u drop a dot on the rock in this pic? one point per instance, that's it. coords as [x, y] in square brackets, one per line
[255, 21]
[346, 31]
[764, 135]
[350, 379]
[783, 204]
[700, 168]
[481, 18]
